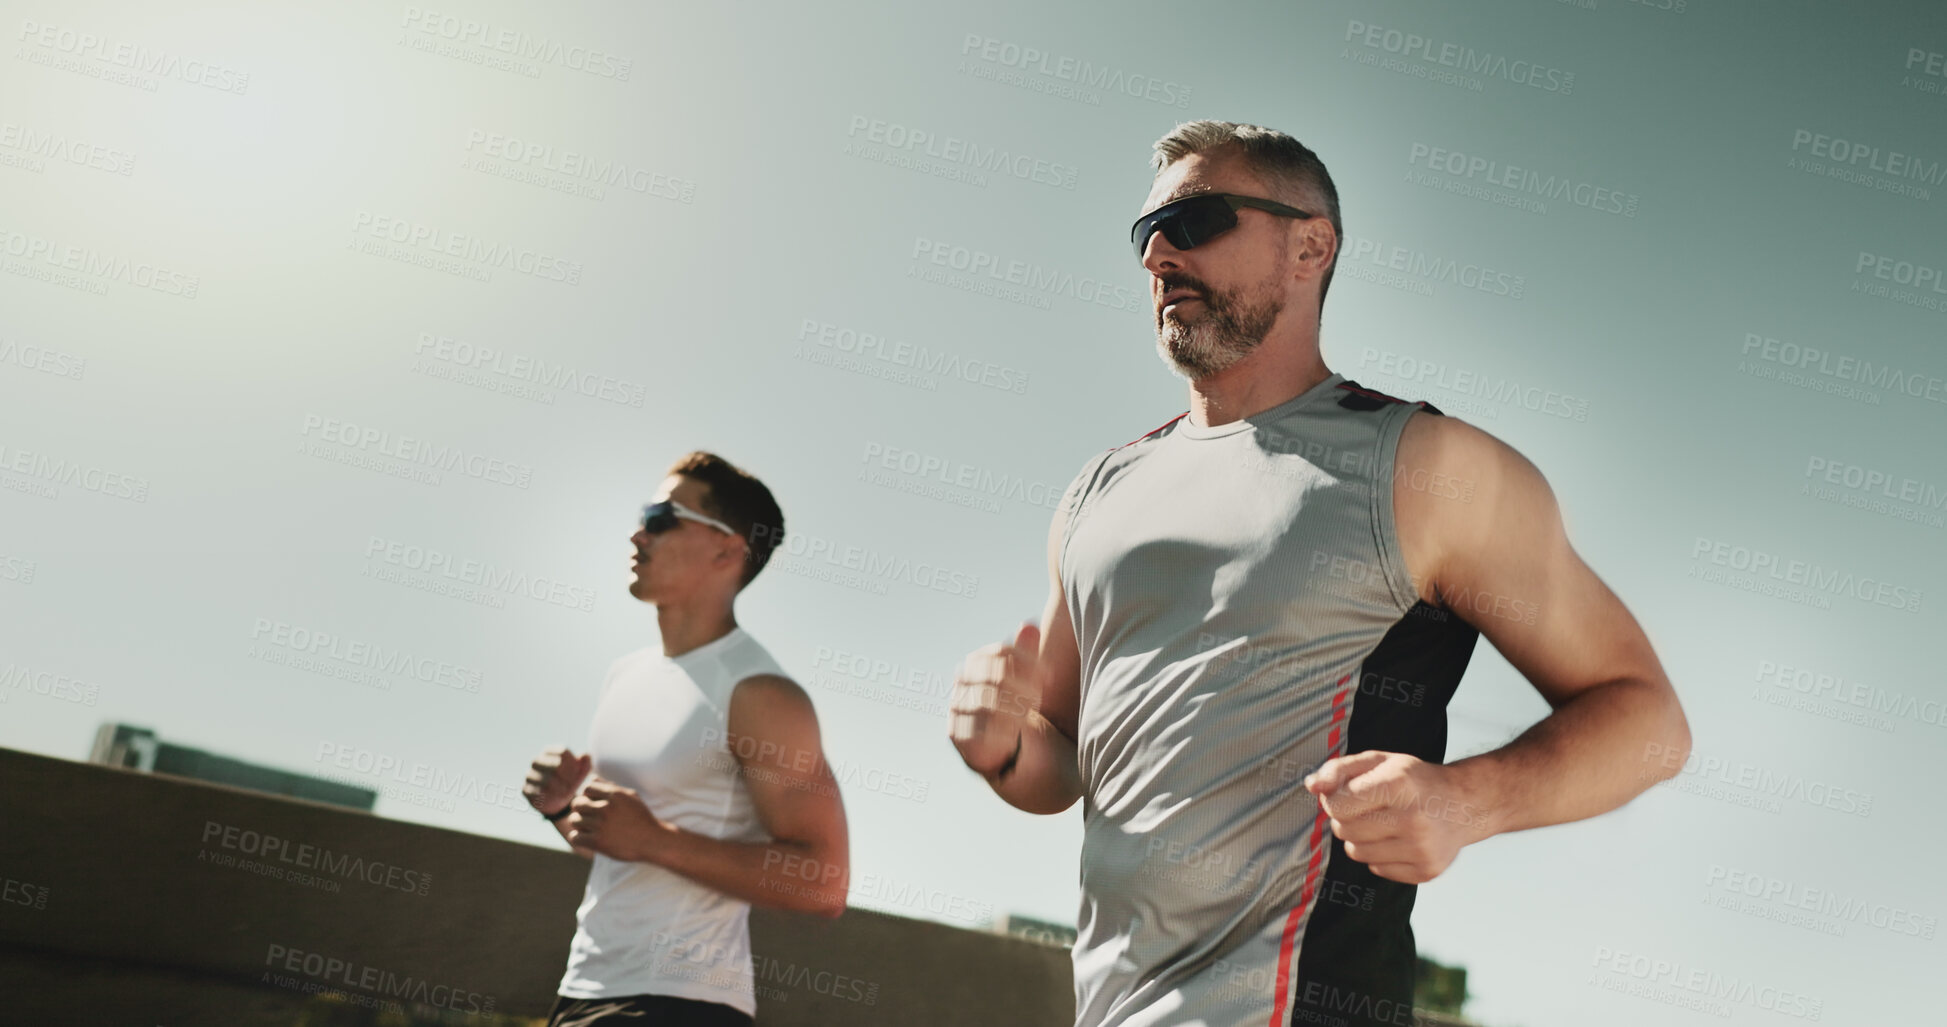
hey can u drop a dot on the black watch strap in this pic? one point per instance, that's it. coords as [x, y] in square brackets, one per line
[558, 814]
[1008, 767]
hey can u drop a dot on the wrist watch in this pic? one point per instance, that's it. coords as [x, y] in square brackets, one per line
[1008, 767]
[557, 814]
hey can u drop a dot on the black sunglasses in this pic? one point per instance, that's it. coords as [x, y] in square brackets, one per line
[1194, 220]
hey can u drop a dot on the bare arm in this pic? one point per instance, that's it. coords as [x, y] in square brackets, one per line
[806, 866]
[1023, 698]
[551, 784]
[1501, 559]
[1615, 712]
[561, 828]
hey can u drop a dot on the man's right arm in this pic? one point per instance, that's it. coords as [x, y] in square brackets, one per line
[552, 781]
[561, 828]
[1016, 704]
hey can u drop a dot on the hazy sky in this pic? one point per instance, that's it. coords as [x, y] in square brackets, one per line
[367, 332]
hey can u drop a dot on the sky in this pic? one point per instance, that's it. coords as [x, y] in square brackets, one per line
[369, 330]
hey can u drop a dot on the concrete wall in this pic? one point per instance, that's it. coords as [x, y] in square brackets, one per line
[120, 905]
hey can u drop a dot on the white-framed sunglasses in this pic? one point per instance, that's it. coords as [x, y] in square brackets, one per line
[661, 516]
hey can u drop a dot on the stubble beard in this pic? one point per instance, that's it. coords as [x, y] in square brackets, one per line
[1229, 328]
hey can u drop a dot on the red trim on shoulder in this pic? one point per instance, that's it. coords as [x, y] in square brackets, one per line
[1380, 395]
[1154, 430]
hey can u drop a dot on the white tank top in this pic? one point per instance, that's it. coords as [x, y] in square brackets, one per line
[660, 729]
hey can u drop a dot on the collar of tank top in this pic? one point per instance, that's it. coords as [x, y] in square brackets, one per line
[1185, 428]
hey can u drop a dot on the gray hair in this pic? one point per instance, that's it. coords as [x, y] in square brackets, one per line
[1288, 166]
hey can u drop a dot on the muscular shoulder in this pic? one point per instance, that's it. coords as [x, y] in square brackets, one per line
[1457, 490]
[770, 698]
[1445, 443]
[764, 692]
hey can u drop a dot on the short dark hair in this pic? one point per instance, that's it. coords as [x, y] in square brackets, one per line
[1287, 165]
[737, 498]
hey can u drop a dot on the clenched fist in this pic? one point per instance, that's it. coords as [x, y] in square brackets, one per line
[554, 779]
[998, 686]
[1398, 814]
[615, 822]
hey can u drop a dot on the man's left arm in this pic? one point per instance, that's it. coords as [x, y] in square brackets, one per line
[773, 733]
[1501, 559]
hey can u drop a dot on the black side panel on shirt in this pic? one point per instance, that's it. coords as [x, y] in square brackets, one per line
[1357, 964]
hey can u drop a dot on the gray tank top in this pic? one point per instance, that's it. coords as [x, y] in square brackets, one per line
[1243, 614]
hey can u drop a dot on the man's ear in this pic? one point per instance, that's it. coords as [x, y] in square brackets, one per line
[1319, 237]
[728, 551]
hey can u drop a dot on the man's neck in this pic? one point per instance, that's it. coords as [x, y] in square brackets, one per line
[1271, 374]
[689, 627]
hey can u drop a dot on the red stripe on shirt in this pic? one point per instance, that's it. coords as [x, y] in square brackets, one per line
[1154, 430]
[1319, 844]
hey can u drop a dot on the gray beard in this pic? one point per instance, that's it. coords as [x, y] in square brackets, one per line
[1226, 333]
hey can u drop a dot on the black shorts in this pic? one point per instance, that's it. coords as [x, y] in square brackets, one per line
[643, 1011]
